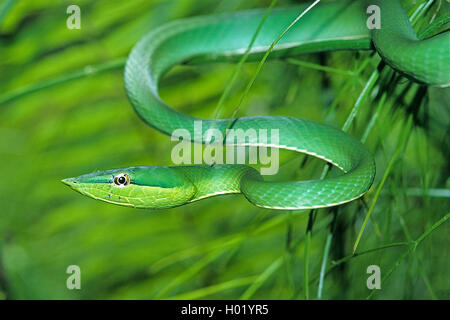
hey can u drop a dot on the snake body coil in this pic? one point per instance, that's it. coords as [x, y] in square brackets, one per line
[332, 26]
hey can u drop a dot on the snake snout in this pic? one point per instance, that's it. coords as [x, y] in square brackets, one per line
[69, 181]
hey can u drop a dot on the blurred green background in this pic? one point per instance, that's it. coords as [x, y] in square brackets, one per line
[64, 112]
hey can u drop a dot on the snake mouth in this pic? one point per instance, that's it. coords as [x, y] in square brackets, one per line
[72, 183]
[69, 181]
[85, 189]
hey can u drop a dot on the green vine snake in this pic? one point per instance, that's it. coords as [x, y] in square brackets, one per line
[340, 25]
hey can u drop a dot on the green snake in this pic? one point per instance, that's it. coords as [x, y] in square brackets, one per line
[340, 25]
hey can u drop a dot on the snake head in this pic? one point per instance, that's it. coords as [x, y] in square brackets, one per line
[139, 187]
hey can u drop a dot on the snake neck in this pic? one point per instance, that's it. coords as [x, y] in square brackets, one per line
[215, 180]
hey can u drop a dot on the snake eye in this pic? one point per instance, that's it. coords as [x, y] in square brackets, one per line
[122, 180]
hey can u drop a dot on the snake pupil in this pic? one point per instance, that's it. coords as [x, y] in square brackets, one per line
[121, 180]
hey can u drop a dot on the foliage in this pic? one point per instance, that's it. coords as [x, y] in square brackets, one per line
[64, 112]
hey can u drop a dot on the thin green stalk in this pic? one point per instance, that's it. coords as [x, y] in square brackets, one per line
[361, 99]
[238, 68]
[323, 266]
[263, 60]
[430, 29]
[187, 274]
[306, 263]
[430, 230]
[347, 85]
[374, 117]
[400, 146]
[5, 8]
[418, 260]
[377, 194]
[420, 192]
[337, 263]
[319, 67]
[356, 107]
[420, 10]
[396, 264]
[207, 291]
[411, 249]
[357, 254]
[262, 278]
[87, 71]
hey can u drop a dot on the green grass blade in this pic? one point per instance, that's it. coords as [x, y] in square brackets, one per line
[87, 71]
[261, 279]
[214, 289]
